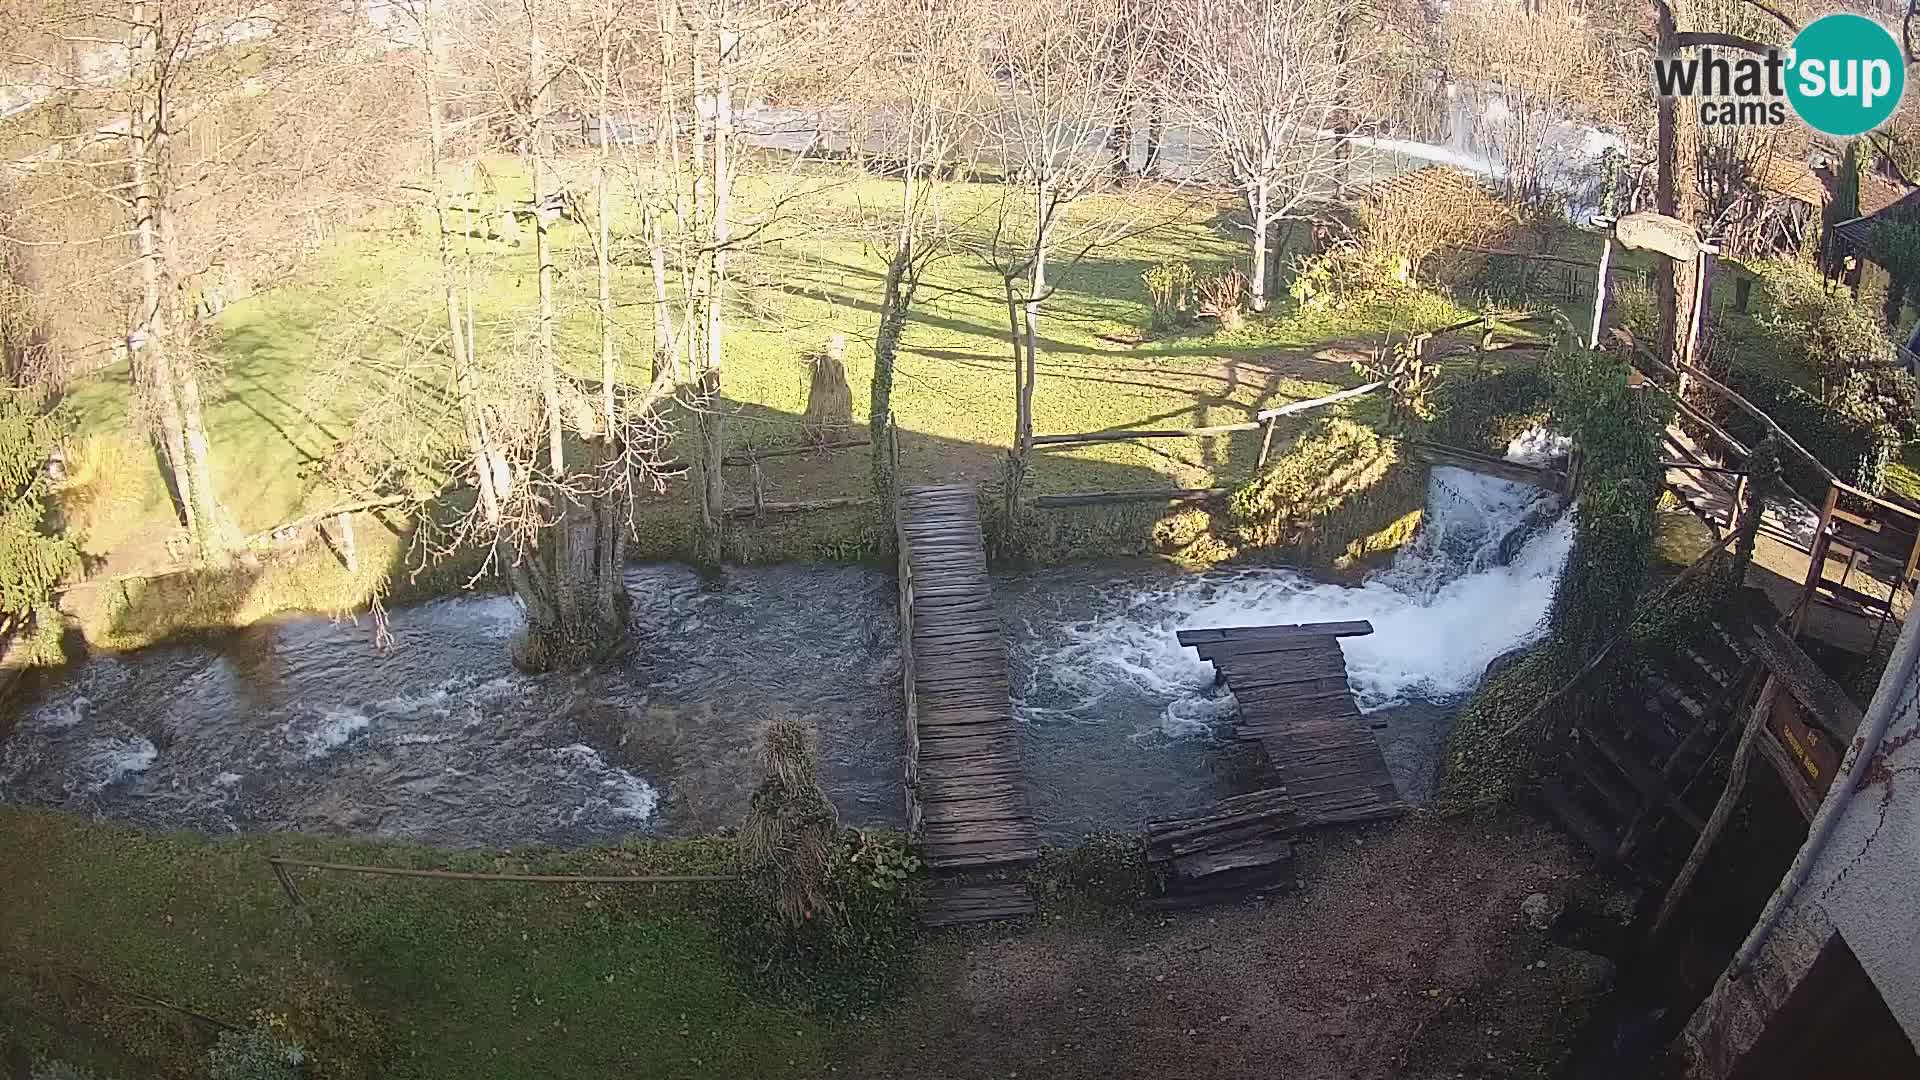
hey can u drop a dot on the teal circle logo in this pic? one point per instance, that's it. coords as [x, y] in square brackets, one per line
[1845, 74]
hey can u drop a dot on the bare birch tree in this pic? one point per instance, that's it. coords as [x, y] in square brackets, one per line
[230, 112]
[1262, 83]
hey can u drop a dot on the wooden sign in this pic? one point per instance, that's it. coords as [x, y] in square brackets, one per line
[1812, 751]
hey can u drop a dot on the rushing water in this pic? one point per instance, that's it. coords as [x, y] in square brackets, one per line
[1122, 724]
[304, 724]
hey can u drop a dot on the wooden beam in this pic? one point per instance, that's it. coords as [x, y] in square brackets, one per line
[1210, 634]
[750, 510]
[1265, 416]
[1830, 706]
[1099, 498]
[1439, 454]
[1600, 292]
[1722, 811]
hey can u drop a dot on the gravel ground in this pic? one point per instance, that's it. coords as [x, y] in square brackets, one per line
[1405, 954]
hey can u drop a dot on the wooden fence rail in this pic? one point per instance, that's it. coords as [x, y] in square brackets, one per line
[280, 866]
[1263, 418]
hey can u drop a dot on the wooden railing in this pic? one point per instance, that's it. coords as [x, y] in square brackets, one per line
[1844, 504]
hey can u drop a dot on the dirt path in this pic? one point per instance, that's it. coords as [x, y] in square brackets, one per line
[1405, 955]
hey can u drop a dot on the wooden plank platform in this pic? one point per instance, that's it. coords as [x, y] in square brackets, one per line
[965, 800]
[1291, 684]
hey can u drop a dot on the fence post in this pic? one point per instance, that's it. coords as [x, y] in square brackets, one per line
[293, 894]
[1266, 440]
[759, 491]
[1600, 291]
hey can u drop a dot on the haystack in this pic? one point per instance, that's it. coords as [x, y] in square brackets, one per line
[829, 416]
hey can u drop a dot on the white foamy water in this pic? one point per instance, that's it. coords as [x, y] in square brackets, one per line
[109, 760]
[314, 735]
[1539, 447]
[1467, 590]
[622, 794]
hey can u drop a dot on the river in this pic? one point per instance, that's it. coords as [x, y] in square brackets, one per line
[305, 724]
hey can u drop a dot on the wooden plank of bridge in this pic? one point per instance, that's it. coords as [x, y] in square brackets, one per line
[1291, 684]
[965, 801]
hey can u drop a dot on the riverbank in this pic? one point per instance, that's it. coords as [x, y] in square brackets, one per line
[284, 393]
[1406, 954]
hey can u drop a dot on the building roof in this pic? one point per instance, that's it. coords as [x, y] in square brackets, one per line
[1792, 178]
[1879, 191]
[1857, 233]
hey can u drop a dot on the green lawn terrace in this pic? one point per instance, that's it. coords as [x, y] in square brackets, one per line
[361, 325]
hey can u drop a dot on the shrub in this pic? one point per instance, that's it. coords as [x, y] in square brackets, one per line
[1823, 326]
[841, 965]
[829, 415]
[1425, 225]
[258, 1053]
[1495, 742]
[1222, 296]
[1335, 481]
[1484, 410]
[1169, 285]
[1817, 362]
[32, 561]
[1850, 436]
[1347, 273]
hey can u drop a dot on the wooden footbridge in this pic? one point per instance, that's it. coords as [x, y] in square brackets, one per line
[966, 803]
[1327, 769]
[965, 800]
[1291, 683]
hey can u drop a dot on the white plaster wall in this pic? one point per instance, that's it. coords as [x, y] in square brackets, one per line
[1867, 882]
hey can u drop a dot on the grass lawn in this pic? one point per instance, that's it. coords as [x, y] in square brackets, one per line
[402, 979]
[468, 979]
[349, 350]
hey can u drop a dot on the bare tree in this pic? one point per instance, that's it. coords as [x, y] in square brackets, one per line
[1262, 85]
[920, 95]
[229, 113]
[1062, 83]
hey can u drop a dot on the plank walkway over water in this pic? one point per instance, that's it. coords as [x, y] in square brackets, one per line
[1291, 684]
[965, 801]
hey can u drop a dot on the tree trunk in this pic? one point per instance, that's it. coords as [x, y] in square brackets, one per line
[712, 417]
[566, 570]
[543, 256]
[665, 156]
[1029, 328]
[164, 370]
[603, 248]
[1676, 142]
[895, 299]
[1257, 279]
[570, 578]
[1342, 117]
[1156, 125]
[487, 464]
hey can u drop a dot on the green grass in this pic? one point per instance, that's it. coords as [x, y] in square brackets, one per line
[1903, 473]
[346, 350]
[452, 978]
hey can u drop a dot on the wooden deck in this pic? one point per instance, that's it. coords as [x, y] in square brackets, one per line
[1291, 683]
[965, 802]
